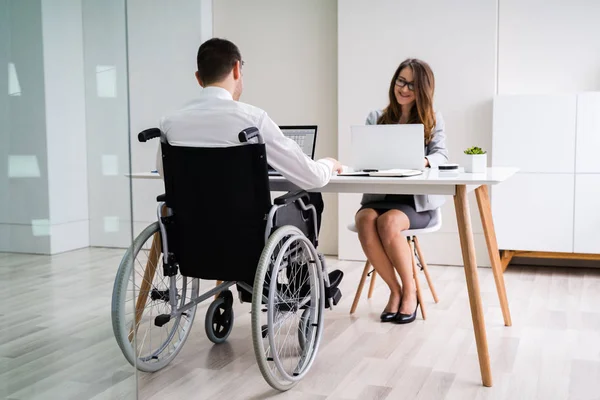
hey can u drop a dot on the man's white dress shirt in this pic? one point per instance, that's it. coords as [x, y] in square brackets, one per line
[215, 120]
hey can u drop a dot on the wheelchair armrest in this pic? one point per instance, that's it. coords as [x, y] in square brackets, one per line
[290, 197]
[161, 198]
[301, 214]
[148, 134]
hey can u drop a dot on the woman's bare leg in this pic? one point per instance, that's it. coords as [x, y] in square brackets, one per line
[389, 227]
[366, 224]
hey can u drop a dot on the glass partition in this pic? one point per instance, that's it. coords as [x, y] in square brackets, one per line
[65, 199]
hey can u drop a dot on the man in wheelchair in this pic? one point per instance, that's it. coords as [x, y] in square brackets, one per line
[217, 117]
[216, 221]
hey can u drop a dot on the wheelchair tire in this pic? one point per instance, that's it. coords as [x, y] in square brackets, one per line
[218, 323]
[303, 328]
[149, 347]
[290, 272]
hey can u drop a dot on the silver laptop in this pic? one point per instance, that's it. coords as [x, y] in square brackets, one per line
[387, 147]
[304, 135]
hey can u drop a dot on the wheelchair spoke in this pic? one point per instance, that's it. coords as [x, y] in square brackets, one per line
[290, 292]
[142, 293]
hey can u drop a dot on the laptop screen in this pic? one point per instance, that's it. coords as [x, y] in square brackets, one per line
[305, 136]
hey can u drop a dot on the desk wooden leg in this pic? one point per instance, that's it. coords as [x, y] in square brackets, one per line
[467, 245]
[146, 284]
[485, 211]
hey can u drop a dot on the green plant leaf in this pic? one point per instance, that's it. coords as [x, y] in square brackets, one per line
[475, 150]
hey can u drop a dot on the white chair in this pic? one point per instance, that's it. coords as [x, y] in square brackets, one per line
[411, 235]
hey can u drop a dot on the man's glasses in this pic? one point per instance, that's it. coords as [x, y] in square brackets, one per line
[401, 83]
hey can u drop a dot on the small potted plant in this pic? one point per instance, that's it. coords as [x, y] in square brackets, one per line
[476, 160]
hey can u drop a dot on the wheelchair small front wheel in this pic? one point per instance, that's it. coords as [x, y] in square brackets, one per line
[218, 323]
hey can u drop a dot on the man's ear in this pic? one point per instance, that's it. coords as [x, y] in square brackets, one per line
[237, 70]
[197, 74]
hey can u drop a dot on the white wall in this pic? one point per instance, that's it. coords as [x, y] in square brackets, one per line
[290, 50]
[49, 211]
[164, 37]
[458, 40]
[65, 124]
[45, 184]
[105, 66]
[24, 202]
[549, 47]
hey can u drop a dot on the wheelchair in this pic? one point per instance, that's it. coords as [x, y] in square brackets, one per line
[216, 221]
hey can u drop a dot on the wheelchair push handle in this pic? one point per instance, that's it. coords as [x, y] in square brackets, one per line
[250, 133]
[148, 134]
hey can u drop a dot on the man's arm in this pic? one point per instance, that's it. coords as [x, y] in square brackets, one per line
[287, 158]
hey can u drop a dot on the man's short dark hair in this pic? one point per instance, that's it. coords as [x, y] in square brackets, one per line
[216, 58]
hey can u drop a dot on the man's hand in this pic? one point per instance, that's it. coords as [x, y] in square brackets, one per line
[337, 166]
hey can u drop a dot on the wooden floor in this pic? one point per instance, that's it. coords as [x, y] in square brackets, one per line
[56, 340]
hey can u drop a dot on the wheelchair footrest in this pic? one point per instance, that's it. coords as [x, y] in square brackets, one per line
[162, 319]
[335, 278]
[335, 294]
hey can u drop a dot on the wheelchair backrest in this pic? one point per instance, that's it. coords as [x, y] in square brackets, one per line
[220, 198]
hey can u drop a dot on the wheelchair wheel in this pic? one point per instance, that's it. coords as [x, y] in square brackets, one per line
[141, 292]
[289, 281]
[219, 318]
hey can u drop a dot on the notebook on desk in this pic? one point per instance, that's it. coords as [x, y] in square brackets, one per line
[394, 172]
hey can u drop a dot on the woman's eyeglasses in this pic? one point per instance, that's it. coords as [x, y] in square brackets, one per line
[401, 83]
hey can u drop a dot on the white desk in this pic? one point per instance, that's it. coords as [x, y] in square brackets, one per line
[434, 182]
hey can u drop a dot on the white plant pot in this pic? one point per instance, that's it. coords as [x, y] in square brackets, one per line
[476, 163]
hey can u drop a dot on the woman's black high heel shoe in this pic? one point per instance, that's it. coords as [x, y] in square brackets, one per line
[406, 318]
[390, 316]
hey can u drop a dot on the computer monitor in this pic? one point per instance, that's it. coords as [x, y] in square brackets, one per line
[304, 135]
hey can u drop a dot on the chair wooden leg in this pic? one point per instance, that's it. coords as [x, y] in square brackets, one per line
[217, 284]
[417, 283]
[146, 284]
[360, 286]
[426, 270]
[372, 284]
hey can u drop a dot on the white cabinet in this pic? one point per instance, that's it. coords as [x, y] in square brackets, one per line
[553, 203]
[535, 133]
[587, 213]
[534, 212]
[588, 133]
